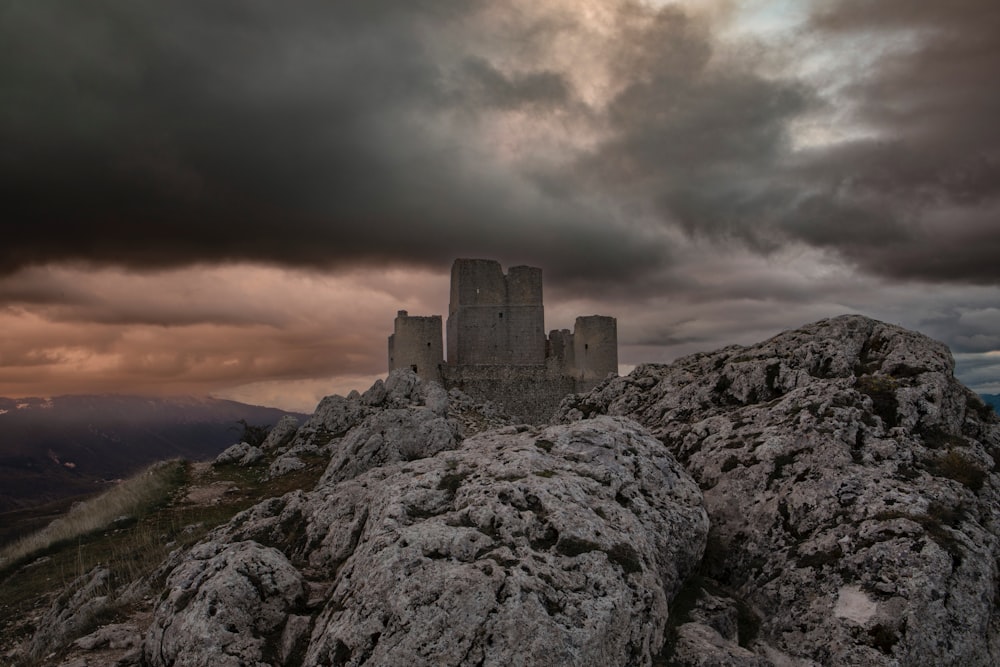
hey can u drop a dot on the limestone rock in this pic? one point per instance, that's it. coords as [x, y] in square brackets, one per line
[700, 645]
[282, 433]
[242, 454]
[73, 612]
[336, 415]
[852, 487]
[226, 605]
[401, 434]
[284, 465]
[522, 546]
[115, 636]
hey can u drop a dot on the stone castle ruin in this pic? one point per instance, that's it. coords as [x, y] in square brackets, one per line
[497, 348]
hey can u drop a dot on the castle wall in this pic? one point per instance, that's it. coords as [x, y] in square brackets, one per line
[497, 348]
[595, 350]
[559, 351]
[495, 318]
[416, 343]
[529, 393]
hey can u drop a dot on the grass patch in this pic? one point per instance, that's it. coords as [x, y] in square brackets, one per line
[126, 502]
[544, 445]
[161, 522]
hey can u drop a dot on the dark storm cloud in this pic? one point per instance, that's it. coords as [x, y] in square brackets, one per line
[709, 146]
[159, 134]
[326, 134]
[937, 103]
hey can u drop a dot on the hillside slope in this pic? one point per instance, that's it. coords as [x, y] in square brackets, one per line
[70, 445]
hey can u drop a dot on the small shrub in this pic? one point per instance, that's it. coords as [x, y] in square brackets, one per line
[882, 390]
[955, 465]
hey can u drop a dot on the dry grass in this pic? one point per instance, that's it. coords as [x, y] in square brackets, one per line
[123, 503]
[166, 517]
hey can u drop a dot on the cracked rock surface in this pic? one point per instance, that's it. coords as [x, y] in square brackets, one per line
[223, 607]
[522, 546]
[851, 484]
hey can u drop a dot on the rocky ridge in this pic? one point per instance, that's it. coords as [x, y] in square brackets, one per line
[827, 497]
[851, 484]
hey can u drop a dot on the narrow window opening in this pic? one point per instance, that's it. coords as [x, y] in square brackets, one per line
[414, 367]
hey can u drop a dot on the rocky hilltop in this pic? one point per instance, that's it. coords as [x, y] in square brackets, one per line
[827, 497]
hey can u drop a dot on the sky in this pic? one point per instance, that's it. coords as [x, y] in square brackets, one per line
[235, 197]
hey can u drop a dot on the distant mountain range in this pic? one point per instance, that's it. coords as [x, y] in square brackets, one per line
[991, 399]
[53, 448]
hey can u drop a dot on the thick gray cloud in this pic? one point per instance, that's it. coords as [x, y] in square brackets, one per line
[157, 134]
[326, 134]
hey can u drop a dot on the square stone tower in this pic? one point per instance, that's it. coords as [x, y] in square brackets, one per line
[495, 318]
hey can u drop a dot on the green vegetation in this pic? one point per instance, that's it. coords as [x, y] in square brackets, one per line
[545, 445]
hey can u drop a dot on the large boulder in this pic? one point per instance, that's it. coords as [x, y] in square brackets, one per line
[852, 487]
[226, 605]
[388, 436]
[521, 547]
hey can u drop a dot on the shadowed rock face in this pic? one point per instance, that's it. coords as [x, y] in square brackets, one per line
[851, 485]
[549, 546]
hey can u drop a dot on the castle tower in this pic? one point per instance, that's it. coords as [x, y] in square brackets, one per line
[497, 348]
[595, 350]
[416, 344]
[495, 318]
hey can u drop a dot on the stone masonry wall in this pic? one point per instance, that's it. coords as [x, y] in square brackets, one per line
[595, 350]
[495, 318]
[416, 344]
[529, 393]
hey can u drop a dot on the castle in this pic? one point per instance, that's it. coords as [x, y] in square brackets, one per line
[497, 348]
